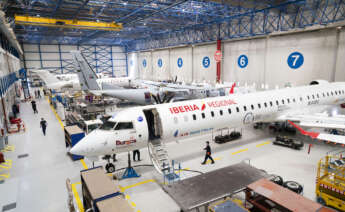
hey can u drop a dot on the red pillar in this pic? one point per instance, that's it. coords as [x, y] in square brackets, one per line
[219, 47]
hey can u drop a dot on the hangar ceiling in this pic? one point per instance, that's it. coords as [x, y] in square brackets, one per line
[149, 24]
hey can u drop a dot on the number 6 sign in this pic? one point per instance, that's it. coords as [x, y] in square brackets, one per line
[295, 60]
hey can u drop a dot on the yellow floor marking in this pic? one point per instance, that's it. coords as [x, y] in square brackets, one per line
[4, 167]
[136, 184]
[209, 161]
[56, 115]
[83, 163]
[77, 198]
[178, 171]
[4, 176]
[133, 204]
[242, 150]
[8, 148]
[138, 210]
[127, 197]
[264, 143]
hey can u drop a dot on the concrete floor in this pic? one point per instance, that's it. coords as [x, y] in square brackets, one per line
[37, 182]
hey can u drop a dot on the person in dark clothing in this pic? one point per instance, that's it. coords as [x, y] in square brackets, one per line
[136, 152]
[38, 93]
[208, 153]
[34, 107]
[43, 125]
[15, 110]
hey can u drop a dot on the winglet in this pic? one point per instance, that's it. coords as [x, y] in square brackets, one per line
[311, 134]
[232, 88]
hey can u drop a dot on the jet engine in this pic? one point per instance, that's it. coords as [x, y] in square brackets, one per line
[318, 82]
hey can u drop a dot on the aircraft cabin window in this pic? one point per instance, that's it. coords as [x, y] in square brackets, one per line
[294, 100]
[237, 109]
[288, 100]
[175, 120]
[327, 94]
[229, 110]
[252, 106]
[271, 104]
[265, 104]
[124, 126]
[308, 97]
[245, 108]
[282, 101]
[259, 106]
[194, 117]
[313, 96]
[109, 125]
[332, 93]
[336, 93]
[212, 113]
[317, 95]
[277, 102]
[323, 94]
[221, 112]
[203, 115]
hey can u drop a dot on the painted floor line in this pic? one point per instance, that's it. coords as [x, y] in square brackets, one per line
[83, 163]
[4, 176]
[76, 196]
[136, 184]
[262, 144]
[215, 159]
[242, 150]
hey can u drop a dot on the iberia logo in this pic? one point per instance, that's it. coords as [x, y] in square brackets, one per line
[203, 107]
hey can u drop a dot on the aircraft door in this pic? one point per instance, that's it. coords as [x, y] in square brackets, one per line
[153, 123]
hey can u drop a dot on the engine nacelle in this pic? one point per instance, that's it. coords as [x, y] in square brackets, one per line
[318, 82]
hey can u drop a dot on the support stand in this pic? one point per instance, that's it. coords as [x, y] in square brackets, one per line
[129, 172]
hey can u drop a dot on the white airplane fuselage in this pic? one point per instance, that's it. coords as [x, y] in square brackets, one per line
[179, 120]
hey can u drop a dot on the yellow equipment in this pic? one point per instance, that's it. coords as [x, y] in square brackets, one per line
[52, 22]
[330, 182]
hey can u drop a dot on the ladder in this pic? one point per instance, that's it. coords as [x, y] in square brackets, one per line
[159, 156]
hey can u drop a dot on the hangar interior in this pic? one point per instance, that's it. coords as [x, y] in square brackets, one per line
[146, 83]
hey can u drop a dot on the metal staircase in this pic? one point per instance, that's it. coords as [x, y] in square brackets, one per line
[159, 156]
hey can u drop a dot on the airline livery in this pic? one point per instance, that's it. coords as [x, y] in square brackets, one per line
[139, 127]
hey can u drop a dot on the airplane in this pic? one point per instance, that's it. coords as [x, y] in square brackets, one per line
[153, 125]
[145, 92]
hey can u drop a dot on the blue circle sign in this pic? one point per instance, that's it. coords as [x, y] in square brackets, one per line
[160, 63]
[144, 63]
[206, 62]
[295, 60]
[179, 62]
[140, 119]
[242, 61]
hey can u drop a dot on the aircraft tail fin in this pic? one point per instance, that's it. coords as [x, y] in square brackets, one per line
[87, 77]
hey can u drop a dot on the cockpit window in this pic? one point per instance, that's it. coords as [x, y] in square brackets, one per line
[109, 125]
[124, 126]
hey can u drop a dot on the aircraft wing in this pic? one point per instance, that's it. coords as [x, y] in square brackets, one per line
[321, 136]
[318, 120]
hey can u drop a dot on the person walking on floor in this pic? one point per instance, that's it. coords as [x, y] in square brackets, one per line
[34, 106]
[136, 152]
[208, 153]
[43, 125]
[39, 93]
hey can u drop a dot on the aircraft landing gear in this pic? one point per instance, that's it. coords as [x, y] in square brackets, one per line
[110, 167]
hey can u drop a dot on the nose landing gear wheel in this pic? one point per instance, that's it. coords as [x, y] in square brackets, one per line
[110, 167]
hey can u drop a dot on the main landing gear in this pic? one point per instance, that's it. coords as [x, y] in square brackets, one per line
[110, 167]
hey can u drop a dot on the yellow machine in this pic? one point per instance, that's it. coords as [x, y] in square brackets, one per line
[330, 182]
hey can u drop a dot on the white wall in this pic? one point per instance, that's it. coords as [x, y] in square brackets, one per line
[183, 70]
[323, 52]
[57, 58]
[161, 71]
